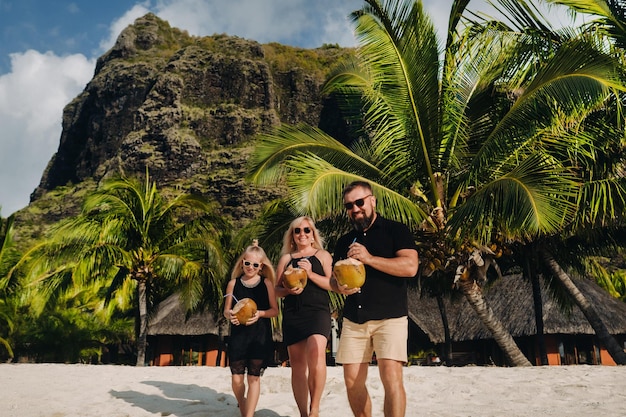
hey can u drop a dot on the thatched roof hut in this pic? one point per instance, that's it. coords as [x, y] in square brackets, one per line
[511, 300]
[176, 338]
[170, 319]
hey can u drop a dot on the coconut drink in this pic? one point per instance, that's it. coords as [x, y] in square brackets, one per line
[294, 278]
[244, 310]
[350, 272]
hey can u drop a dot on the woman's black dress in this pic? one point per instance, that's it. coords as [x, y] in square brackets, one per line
[308, 313]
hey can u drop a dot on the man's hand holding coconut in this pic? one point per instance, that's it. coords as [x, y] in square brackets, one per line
[349, 273]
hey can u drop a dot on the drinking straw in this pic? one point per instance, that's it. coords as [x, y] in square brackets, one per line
[235, 298]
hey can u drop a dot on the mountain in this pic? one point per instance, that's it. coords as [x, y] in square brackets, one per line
[186, 108]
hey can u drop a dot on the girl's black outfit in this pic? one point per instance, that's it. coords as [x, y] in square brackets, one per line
[251, 346]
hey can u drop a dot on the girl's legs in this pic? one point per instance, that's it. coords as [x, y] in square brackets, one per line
[239, 389]
[254, 390]
[255, 369]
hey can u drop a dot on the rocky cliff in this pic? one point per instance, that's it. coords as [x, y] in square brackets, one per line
[188, 109]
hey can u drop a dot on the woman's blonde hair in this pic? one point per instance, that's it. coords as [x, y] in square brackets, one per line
[289, 245]
[267, 269]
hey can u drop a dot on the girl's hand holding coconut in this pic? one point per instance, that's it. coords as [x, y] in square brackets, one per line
[244, 312]
[253, 319]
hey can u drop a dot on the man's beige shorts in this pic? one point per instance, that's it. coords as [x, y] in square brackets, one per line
[388, 338]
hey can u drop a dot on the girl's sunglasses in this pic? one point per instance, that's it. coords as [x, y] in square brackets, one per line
[248, 263]
[297, 230]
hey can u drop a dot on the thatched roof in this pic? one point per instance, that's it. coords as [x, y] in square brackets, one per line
[170, 319]
[511, 300]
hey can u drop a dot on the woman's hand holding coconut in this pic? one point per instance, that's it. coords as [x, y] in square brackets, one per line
[295, 279]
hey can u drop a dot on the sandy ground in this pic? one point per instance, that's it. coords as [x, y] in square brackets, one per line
[56, 390]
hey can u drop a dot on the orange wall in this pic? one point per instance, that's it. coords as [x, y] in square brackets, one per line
[552, 348]
[605, 358]
[164, 353]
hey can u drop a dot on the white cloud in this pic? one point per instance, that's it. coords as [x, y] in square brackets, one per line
[287, 21]
[128, 18]
[32, 97]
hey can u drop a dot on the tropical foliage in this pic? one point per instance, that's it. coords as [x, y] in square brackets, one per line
[131, 246]
[7, 260]
[502, 144]
[479, 150]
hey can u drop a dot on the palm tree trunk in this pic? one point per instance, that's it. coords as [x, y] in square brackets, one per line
[614, 349]
[538, 305]
[447, 353]
[142, 337]
[503, 338]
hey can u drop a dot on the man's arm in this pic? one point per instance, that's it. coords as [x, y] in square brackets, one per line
[404, 264]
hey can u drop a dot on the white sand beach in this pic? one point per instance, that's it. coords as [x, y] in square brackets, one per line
[57, 390]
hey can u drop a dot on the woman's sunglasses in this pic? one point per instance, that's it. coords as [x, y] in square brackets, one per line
[297, 230]
[359, 203]
[248, 263]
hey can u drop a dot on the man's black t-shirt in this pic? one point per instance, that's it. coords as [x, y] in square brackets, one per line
[382, 296]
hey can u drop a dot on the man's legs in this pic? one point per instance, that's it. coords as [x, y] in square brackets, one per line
[390, 344]
[355, 375]
[395, 395]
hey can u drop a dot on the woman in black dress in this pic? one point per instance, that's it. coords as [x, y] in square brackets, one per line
[306, 312]
[250, 344]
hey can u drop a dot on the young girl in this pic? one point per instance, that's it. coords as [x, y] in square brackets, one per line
[250, 344]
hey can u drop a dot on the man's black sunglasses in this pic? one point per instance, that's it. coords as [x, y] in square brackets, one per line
[359, 203]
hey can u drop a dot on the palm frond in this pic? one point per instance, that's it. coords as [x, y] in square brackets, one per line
[535, 198]
[317, 186]
[267, 164]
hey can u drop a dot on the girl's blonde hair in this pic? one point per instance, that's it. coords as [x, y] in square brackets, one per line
[267, 269]
[289, 245]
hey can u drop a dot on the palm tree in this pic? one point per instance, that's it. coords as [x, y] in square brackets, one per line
[138, 246]
[609, 17]
[595, 155]
[7, 260]
[461, 149]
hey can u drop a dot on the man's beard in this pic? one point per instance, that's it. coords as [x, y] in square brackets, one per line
[361, 223]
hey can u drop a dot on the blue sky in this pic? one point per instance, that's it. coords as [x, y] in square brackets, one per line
[48, 50]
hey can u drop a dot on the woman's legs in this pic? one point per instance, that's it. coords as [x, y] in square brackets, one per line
[308, 373]
[316, 359]
[299, 378]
